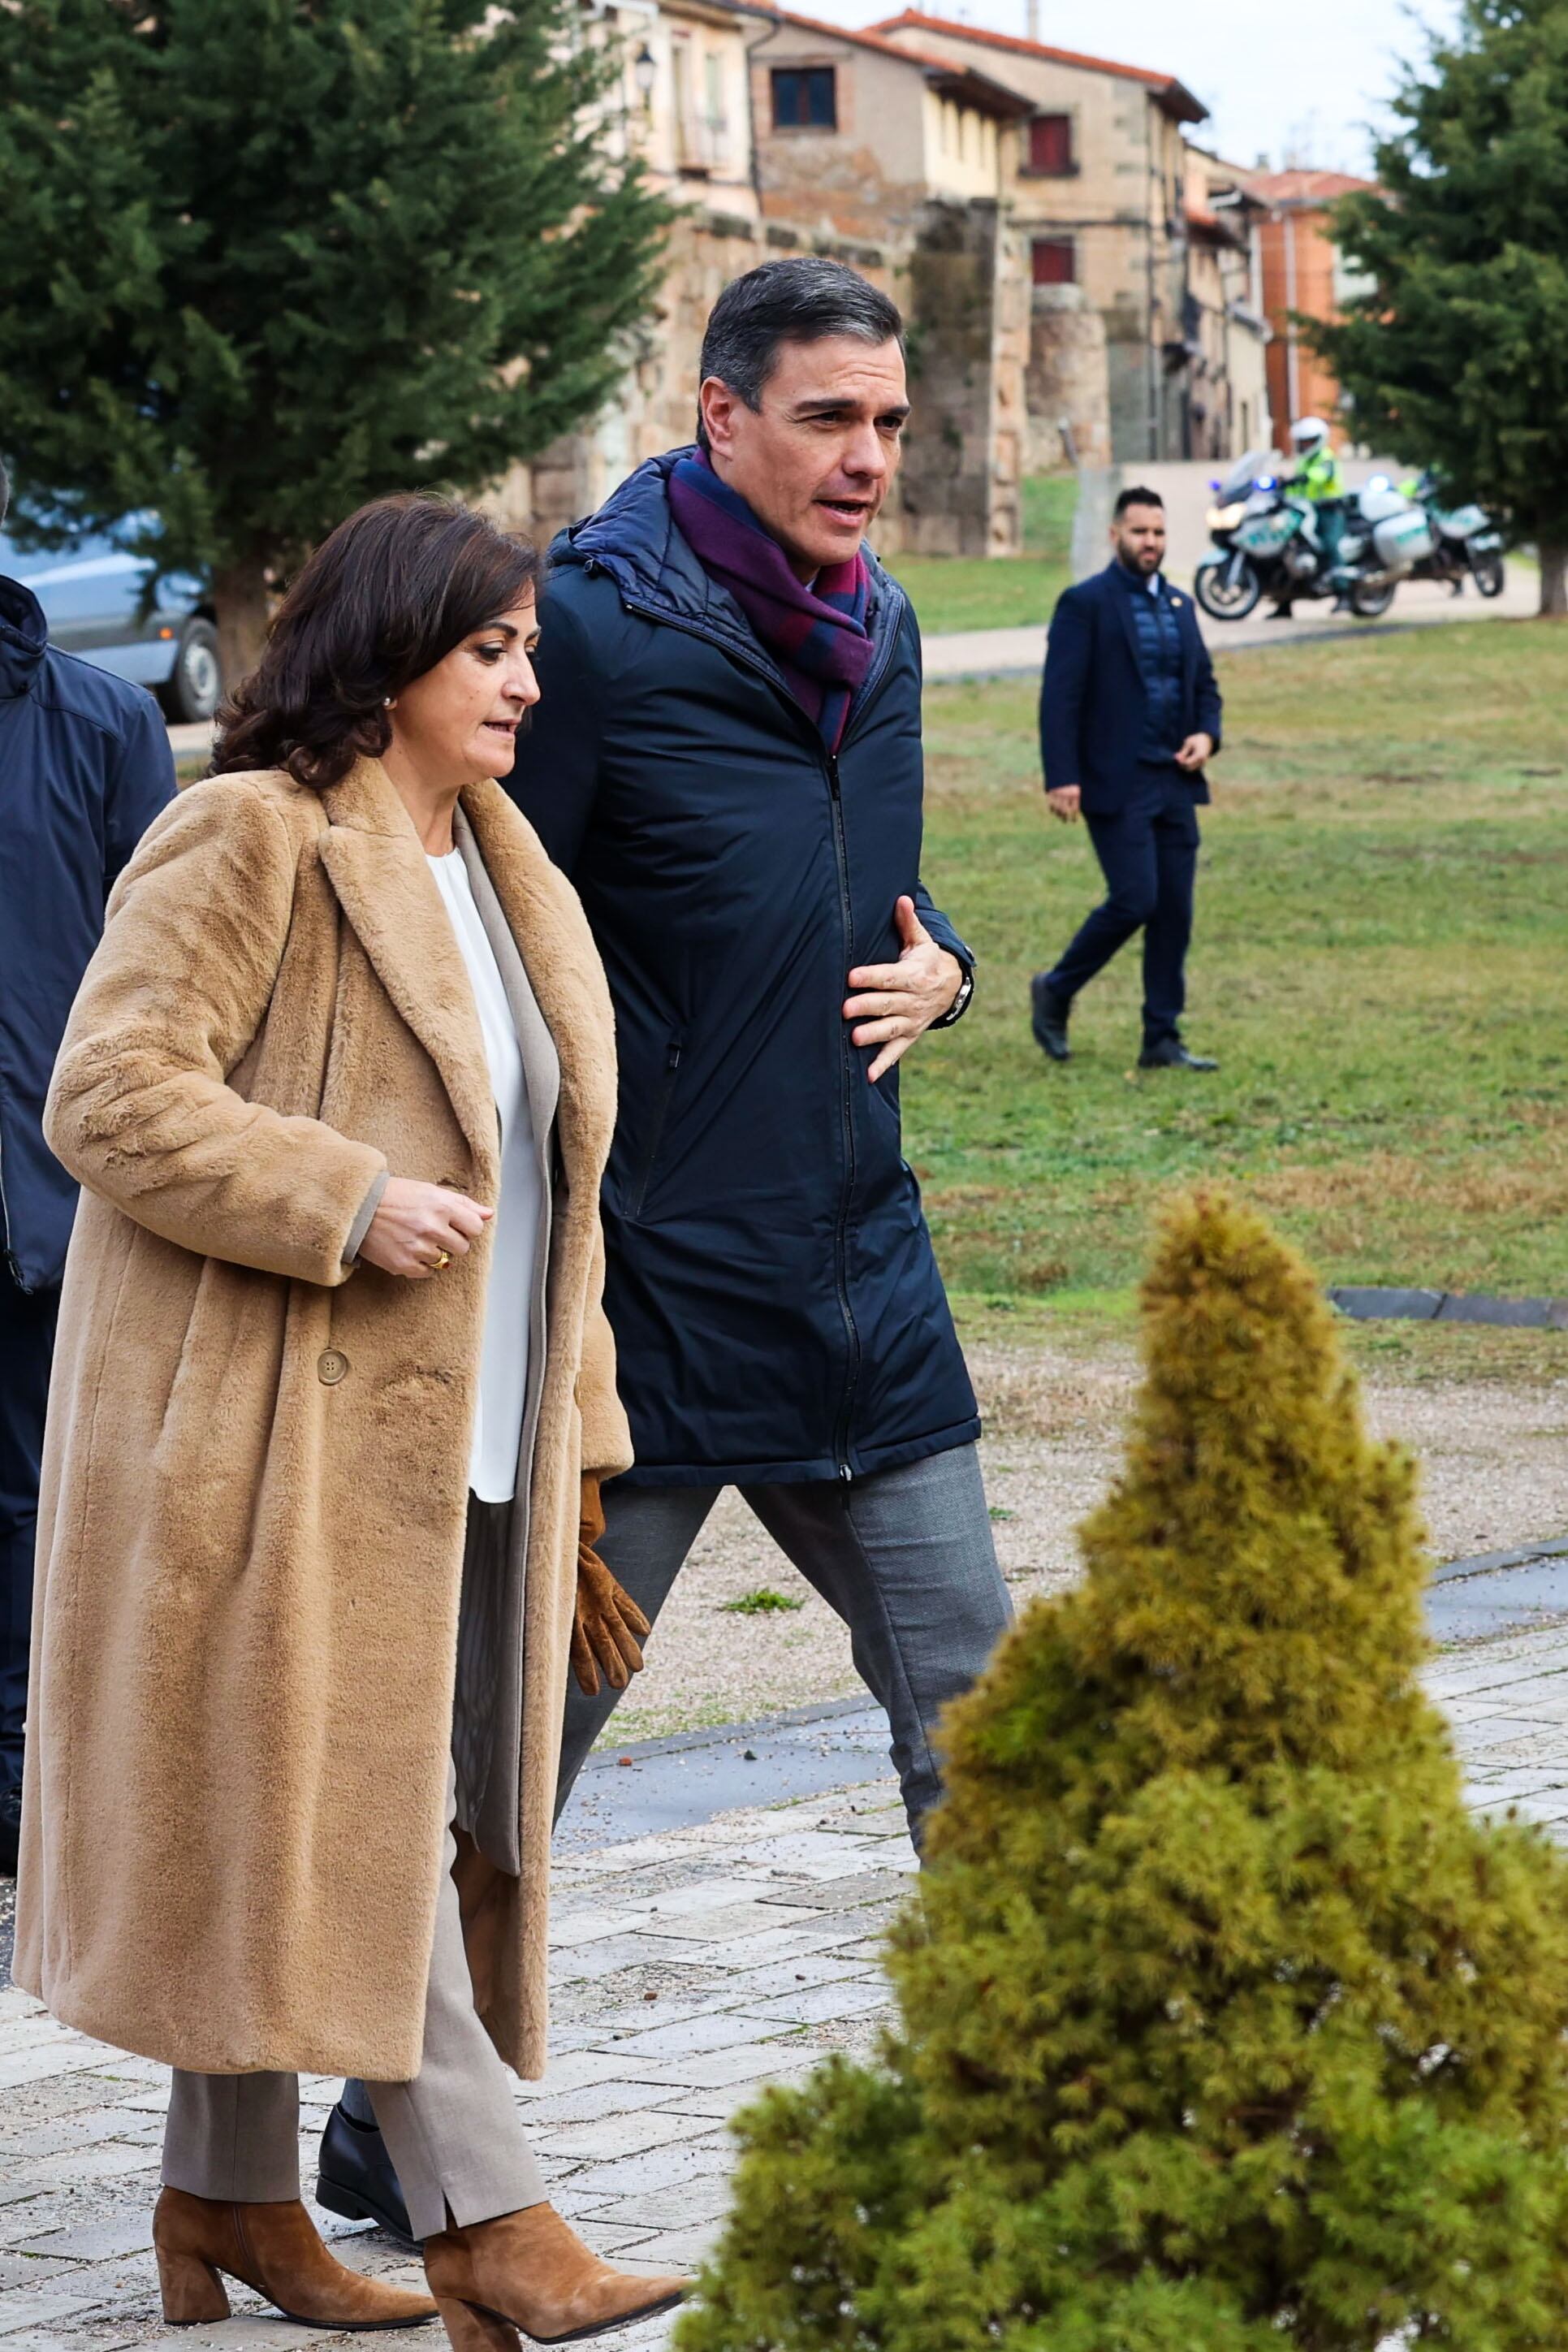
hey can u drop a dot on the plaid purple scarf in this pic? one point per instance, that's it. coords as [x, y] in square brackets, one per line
[818, 636]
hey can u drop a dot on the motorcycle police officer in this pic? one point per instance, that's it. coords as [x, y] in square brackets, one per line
[1316, 475]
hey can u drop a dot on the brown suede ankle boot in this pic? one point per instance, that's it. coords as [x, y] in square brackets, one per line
[528, 2270]
[274, 2249]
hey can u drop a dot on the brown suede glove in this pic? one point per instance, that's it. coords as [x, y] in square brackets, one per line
[609, 1628]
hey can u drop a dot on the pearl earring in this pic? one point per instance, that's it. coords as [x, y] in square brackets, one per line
[386, 702]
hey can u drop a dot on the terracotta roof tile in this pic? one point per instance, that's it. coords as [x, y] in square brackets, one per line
[918, 21]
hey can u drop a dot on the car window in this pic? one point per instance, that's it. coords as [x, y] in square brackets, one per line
[25, 563]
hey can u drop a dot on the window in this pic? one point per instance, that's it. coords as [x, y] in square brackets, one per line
[1050, 145]
[1055, 261]
[805, 97]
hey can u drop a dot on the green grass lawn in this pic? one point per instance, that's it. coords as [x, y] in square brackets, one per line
[1381, 962]
[960, 591]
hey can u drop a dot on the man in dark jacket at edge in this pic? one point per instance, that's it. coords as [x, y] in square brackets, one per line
[1129, 711]
[85, 766]
[726, 760]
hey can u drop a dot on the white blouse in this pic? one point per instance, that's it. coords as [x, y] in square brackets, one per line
[504, 1363]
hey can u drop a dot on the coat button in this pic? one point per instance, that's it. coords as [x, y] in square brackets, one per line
[330, 1366]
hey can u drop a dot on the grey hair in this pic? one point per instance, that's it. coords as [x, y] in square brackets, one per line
[798, 298]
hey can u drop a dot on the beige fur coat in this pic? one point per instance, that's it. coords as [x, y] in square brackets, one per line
[254, 1482]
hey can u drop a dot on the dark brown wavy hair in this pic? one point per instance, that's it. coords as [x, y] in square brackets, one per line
[382, 601]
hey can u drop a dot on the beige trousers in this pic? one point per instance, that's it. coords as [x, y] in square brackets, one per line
[453, 2132]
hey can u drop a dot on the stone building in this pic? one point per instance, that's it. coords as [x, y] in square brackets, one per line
[1302, 272]
[775, 134]
[1226, 380]
[859, 137]
[1101, 201]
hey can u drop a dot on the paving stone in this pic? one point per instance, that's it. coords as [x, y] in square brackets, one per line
[569, 1928]
[783, 1943]
[622, 1952]
[620, 2135]
[705, 1895]
[46, 2059]
[592, 2103]
[730, 1920]
[699, 2201]
[248, 2332]
[679, 2250]
[91, 2128]
[29, 2270]
[124, 2233]
[715, 2069]
[662, 2168]
[820, 2004]
[719, 2030]
[43, 2309]
[579, 2068]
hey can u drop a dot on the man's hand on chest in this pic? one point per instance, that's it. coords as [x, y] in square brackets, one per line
[895, 1003]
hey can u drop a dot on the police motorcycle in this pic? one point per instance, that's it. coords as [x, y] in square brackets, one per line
[1469, 543]
[1269, 541]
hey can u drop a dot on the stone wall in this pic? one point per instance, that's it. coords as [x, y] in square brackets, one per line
[1068, 382]
[961, 285]
[968, 312]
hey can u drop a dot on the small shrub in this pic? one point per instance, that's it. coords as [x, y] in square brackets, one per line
[1225, 2026]
[763, 1602]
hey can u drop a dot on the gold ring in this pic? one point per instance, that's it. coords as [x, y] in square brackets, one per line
[442, 1258]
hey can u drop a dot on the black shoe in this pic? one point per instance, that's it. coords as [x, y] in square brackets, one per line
[10, 1830]
[1279, 613]
[1343, 604]
[1170, 1054]
[354, 2178]
[1048, 1020]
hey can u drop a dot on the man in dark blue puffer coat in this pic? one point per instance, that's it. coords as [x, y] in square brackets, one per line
[727, 762]
[85, 767]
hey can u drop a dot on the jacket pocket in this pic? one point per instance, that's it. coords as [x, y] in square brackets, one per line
[656, 1119]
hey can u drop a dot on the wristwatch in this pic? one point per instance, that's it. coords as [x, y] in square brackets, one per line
[960, 1004]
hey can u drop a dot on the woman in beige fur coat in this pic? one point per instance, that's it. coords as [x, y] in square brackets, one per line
[332, 1397]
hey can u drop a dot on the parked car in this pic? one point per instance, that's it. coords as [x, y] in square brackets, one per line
[102, 604]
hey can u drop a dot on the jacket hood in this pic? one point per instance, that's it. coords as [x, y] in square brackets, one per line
[24, 637]
[634, 539]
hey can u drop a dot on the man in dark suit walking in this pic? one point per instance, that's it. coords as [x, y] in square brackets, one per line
[1129, 712]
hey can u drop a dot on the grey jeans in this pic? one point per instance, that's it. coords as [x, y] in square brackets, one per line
[906, 1558]
[453, 2132]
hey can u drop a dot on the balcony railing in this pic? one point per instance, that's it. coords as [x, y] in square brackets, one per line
[703, 143]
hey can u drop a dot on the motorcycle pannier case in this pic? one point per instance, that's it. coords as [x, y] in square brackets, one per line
[1403, 539]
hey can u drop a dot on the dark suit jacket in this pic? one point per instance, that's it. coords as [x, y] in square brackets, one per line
[1091, 695]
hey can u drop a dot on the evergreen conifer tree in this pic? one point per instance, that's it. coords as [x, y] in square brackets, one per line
[261, 260]
[1457, 353]
[1225, 2026]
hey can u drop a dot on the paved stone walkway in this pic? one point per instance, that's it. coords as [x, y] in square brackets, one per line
[690, 1969]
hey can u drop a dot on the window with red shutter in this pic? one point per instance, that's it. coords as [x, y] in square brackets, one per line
[1055, 261]
[1050, 145]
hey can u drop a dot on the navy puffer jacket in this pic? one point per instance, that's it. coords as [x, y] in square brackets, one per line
[776, 1307]
[85, 767]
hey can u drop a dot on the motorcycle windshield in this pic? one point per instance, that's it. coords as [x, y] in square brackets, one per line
[1242, 476]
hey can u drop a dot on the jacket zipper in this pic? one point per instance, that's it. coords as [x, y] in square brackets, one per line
[6, 1249]
[847, 1075]
[656, 1126]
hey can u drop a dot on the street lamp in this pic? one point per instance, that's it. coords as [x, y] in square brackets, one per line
[645, 73]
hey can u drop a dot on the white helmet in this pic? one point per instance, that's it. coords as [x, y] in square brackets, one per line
[1308, 431]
